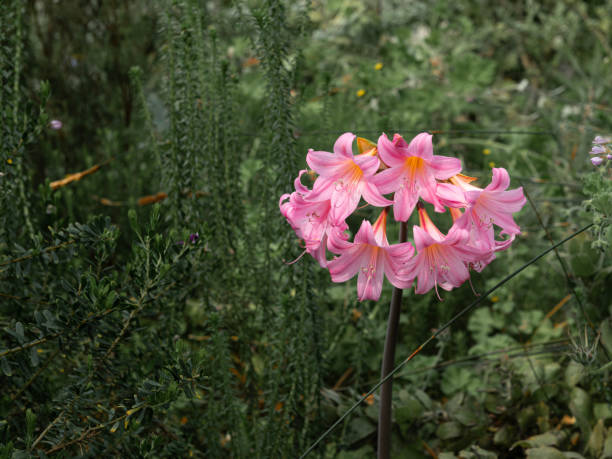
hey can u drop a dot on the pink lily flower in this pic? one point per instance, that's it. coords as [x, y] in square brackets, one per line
[345, 178]
[372, 257]
[493, 205]
[479, 240]
[309, 220]
[413, 170]
[441, 260]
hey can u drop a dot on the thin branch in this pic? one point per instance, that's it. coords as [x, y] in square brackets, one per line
[44, 339]
[35, 375]
[47, 429]
[32, 255]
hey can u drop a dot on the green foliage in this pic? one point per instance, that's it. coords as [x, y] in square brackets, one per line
[124, 335]
[598, 187]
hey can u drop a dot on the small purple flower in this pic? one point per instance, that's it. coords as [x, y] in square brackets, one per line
[56, 125]
[193, 237]
[597, 161]
[598, 140]
[597, 150]
[609, 156]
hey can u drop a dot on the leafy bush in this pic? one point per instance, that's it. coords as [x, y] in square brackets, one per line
[144, 304]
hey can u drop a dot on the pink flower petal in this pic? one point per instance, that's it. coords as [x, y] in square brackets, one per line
[325, 164]
[348, 264]
[389, 153]
[500, 181]
[344, 145]
[450, 195]
[365, 235]
[422, 146]
[370, 279]
[389, 180]
[373, 196]
[337, 241]
[445, 167]
[405, 200]
[367, 163]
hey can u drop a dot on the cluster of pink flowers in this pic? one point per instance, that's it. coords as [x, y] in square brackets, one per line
[407, 173]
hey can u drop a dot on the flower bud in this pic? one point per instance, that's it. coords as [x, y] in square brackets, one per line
[596, 161]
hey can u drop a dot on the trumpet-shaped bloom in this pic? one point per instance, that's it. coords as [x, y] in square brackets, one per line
[493, 205]
[345, 178]
[372, 257]
[441, 260]
[481, 240]
[413, 170]
[309, 220]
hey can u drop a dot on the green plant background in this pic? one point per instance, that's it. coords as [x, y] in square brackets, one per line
[122, 338]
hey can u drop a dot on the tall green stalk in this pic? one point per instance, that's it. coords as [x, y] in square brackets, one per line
[386, 391]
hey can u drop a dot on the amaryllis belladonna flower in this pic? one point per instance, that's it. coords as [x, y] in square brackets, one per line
[344, 178]
[309, 219]
[441, 260]
[371, 257]
[56, 125]
[413, 170]
[493, 205]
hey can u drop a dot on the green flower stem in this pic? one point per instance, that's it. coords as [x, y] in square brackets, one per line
[384, 414]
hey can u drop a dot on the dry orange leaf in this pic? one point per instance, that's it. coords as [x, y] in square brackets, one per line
[241, 377]
[574, 439]
[73, 177]
[108, 202]
[198, 337]
[558, 306]
[151, 199]
[567, 420]
[369, 399]
[250, 62]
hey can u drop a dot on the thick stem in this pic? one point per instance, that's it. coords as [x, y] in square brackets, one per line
[384, 416]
